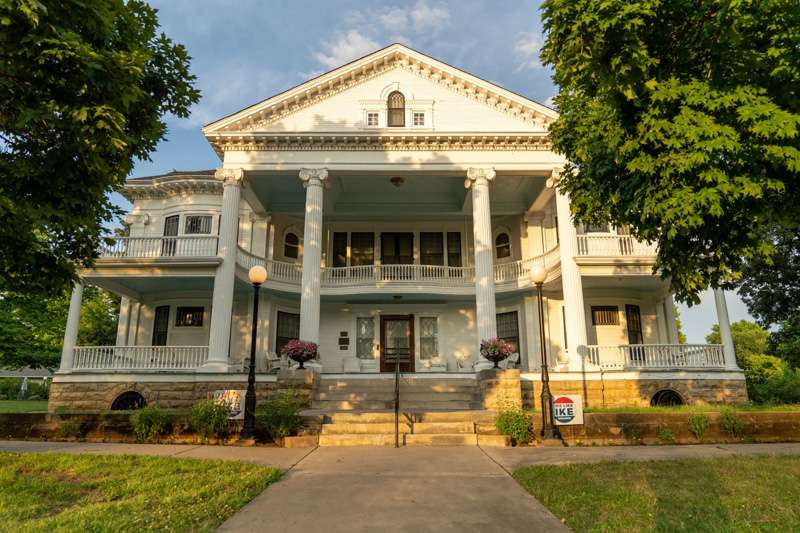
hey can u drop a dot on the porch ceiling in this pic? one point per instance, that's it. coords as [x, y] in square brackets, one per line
[138, 287]
[363, 196]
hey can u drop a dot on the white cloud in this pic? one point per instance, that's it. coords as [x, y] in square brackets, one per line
[345, 48]
[429, 18]
[526, 50]
[362, 32]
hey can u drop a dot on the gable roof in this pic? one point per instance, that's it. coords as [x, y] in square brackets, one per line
[393, 56]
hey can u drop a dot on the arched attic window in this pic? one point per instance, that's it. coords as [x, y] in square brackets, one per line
[396, 104]
[502, 246]
[291, 246]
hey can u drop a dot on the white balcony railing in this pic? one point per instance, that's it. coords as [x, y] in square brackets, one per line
[516, 270]
[154, 247]
[139, 357]
[662, 356]
[614, 246]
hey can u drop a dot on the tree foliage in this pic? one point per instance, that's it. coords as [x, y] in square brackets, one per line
[32, 328]
[84, 85]
[681, 120]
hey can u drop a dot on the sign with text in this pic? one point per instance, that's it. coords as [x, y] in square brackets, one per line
[568, 409]
[233, 400]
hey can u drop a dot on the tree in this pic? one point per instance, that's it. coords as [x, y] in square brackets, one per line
[84, 86]
[679, 325]
[785, 341]
[680, 119]
[32, 328]
[748, 339]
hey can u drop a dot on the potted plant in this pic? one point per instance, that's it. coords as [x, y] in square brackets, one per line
[300, 351]
[496, 350]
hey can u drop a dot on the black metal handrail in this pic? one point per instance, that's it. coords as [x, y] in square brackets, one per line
[394, 356]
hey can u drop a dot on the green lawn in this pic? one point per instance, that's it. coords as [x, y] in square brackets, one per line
[60, 492]
[728, 494]
[22, 406]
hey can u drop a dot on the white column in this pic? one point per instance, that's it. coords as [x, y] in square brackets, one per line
[71, 330]
[222, 301]
[478, 179]
[672, 322]
[312, 179]
[122, 321]
[572, 285]
[725, 329]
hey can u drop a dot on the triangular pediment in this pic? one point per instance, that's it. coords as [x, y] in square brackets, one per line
[449, 101]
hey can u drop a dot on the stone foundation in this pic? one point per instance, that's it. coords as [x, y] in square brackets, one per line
[500, 389]
[639, 392]
[92, 396]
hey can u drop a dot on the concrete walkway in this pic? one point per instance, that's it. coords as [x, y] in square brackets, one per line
[408, 489]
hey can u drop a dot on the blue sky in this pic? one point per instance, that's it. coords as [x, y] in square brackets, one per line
[246, 50]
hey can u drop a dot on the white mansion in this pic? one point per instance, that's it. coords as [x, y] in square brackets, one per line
[397, 204]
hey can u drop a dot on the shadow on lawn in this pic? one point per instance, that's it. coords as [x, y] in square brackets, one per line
[699, 499]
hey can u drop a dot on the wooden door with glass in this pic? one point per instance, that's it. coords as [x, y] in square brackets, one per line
[397, 341]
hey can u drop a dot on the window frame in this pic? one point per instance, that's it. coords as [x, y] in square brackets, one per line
[596, 312]
[517, 338]
[181, 313]
[421, 116]
[396, 114]
[373, 114]
[435, 319]
[189, 217]
[359, 338]
[506, 246]
[279, 338]
[295, 245]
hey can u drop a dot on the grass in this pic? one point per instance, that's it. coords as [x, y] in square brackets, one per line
[697, 408]
[22, 406]
[60, 492]
[738, 493]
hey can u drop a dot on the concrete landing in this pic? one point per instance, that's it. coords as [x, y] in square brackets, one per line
[395, 490]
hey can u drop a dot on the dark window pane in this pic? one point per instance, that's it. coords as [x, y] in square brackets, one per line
[291, 246]
[339, 249]
[197, 224]
[362, 249]
[634, 319]
[605, 315]
[397, 109]
[189, 316]
[431, 248]
[502, 246]
[161, 325]
[454, 249]
[508, 328]
[287, 328]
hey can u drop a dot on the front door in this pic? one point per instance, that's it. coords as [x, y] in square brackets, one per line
[397, 340]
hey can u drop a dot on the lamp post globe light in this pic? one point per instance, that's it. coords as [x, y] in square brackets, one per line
[257, 276]
[549, 431]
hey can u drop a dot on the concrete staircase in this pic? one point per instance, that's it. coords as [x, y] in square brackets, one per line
[377, 393]
[416, 428]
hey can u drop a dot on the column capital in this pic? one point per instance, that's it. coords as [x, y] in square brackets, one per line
[311, 176]
[230, 176]
[476, 174]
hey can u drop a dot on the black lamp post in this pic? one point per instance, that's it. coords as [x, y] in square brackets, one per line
[257, 275]
[549, 430]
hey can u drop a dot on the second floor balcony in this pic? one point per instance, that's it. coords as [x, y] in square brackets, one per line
[190, 246]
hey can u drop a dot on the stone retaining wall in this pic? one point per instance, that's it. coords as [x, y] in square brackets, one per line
[638, 393]
[170, 395]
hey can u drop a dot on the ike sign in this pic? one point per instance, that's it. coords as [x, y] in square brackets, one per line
[568, 410]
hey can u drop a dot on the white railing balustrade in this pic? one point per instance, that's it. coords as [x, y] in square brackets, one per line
[614, 246]
[520, 270]
[158, 247]
[656, 356]
[276, 270]
[139, 357]
[444, 276]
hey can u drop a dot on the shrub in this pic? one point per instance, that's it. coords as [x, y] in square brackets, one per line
[730, 422]
[783, 387]
[68, 430]
[280, 416]
[516, 424]
[666, 436]
[698, 424]
[148, 423]
[209, 418]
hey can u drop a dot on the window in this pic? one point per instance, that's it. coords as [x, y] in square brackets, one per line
[454, 249]
[161, 326]
[419, 119]
[502, 246]
[170, 230]
[362, 249]
[372, 119]
[605, 315]
[291, 246]
[633, 317]
[396, 104]
[339, 249]
[198, 224]
[508, 328]
[365, 337]
[598, 228]
[431, 248]
[189, 317]
[286, 329]
[397, 248]
[428, 337]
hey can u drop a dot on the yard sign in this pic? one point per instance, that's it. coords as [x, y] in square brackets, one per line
[568, 410]
[233, 400]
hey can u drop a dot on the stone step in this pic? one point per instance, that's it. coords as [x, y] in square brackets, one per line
[443, 428]
[458, 439]
[494, 440]
[465, 415]
[344, 405]
[358, 440]
[360, 428]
